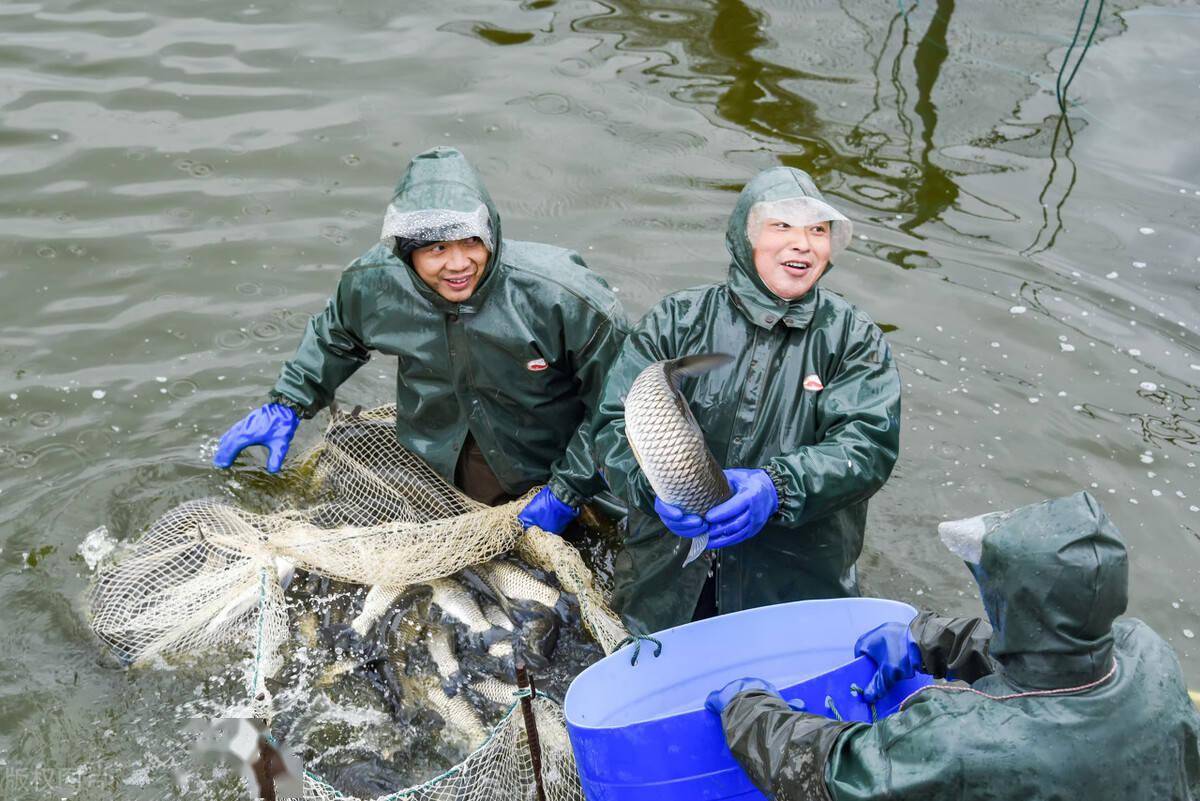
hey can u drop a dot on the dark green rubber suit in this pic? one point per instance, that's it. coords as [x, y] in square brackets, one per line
[1053, 577]
[827, 449]
[520, 364]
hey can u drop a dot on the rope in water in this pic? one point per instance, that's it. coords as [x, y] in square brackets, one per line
[1060, 88]
[1011, 696]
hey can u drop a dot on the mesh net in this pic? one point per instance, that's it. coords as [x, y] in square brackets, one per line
[502, 768]
[209, 574]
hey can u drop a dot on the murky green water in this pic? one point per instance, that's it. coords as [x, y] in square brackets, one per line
[179, 188]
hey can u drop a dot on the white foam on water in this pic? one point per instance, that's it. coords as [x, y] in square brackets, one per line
[96, 546]
[98, 394]
[1145, 230]
[1017, 310]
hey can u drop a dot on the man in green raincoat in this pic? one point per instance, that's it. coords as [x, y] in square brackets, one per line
[806, 419]
[502, 347]
[1063, 702]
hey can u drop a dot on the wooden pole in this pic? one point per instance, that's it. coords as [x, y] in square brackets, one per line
[531, 733]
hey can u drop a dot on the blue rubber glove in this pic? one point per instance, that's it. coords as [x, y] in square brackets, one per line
[719, 699]
[678, 521]
[547, 512]
[271, 426]
[742, 516]
[892, 649]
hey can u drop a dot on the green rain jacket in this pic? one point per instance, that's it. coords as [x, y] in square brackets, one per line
[827, 450]
[520, 364]
[1053, 577]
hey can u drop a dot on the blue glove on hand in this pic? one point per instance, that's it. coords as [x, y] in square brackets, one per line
[678, 521]
[892, 649]
[742, 516]
[272, 426]
[547, 512]
[719, 699]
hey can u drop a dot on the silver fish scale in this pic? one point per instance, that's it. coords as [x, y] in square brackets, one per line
[669, 445]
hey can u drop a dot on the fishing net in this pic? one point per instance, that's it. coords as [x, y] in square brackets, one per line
[502, 768]
[210, 574]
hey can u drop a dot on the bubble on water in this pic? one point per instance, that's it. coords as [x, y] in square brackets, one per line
[1134, 352]
[1194, 366]
[1133, 501]
[232, 340]
[44, 420]
[1194, 508]
[1156, 493]
[995, 344]
[98, 394]
[1149, 386]
[1146, 230]
[550, 103]
[12, 396]
[1189, 633]
[181, 389]
[1141, 265]
[1146, 458]
[1066, 347]
[1017, 310]
[162, 379]
[1033, 400]
[1175, 604]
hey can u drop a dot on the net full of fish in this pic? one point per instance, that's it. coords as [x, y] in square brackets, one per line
[426, 644]
[668, 443]
[439, 664]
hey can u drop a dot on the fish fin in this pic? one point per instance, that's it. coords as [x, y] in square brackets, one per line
[695, 548]
[697, 364]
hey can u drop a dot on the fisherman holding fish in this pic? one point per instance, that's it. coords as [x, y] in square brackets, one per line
[502, 348]
[805, 416]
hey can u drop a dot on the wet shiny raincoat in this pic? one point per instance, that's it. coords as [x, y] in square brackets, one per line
[520, 364]
[828, 449]
[1053, 578]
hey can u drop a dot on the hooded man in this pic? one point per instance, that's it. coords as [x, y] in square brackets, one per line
[502, 347]
[806, 417]
[1062, 703]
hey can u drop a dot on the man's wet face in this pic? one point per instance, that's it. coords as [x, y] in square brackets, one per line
[452, 269]
[789, 259]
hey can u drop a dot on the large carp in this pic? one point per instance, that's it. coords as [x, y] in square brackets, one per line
[667, 441]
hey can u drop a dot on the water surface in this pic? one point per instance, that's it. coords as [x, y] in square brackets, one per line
[179, 188]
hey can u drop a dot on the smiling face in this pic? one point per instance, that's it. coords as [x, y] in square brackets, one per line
[789, 259]
[452, 269]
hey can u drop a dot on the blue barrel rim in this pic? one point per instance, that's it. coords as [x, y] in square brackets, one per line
[627, 650]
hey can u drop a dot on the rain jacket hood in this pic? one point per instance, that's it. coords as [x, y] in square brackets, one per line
[759, 303]
[518, 365]
[1054, 577]
[443, 179]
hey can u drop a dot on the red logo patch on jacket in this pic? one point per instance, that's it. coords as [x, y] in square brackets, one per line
[536, 365]
[812, 382]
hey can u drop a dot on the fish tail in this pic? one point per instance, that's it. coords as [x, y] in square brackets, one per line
[696, 364]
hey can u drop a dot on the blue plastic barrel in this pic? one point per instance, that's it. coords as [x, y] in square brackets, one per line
[641, 732]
